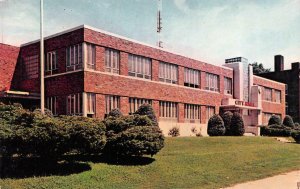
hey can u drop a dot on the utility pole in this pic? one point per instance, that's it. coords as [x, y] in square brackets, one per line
[159, 23]
[42, 58]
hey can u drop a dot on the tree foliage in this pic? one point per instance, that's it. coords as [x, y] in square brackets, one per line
[258, 68]
[215, 126]
[237, 125]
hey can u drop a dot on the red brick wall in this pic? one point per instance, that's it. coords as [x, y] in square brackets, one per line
[8, 61]
[272, 106]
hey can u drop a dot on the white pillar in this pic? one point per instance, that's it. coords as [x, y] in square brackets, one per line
[42, 59]
[84, 105]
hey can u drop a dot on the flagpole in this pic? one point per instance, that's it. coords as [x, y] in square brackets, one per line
[42, 58]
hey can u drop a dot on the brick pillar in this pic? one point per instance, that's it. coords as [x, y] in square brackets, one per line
[100, 59]
[273, 95]
[180, 75]
[155, 70]
[155, 106]
[124, 105]
[100, 106]
[221, 84]
[61, 60]
[180, 113]
[123, 63]
[203, 114]
[202, 80]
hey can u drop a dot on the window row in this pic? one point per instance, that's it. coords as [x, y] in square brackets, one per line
[74, 104]
[267, 95]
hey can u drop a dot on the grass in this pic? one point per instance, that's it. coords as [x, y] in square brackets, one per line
[209, 162]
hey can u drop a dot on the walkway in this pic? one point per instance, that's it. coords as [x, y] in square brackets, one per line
[283, 181]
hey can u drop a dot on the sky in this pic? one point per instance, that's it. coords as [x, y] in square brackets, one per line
[207, 30]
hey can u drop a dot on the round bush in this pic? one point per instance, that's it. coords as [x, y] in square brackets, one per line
[274, 119]
[215, 126]
[237, 125]
[138, 141]
[174, 132]
[87, 135]
[226, 116]
[115, 113]
[296, 136]
[288, 121]
[146, 109]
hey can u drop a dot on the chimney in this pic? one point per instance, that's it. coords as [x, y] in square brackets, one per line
[279, 63]
[295, 66]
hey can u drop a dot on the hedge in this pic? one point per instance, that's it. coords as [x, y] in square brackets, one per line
[227, 116]
[237, 125]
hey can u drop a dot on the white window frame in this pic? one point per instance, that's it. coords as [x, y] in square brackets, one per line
[74, 104]
[112, 61]
[192, 112]
[51, 104]
[168, 110]
[212, 82]
[168, 73]
[277, 96]
[267, 94]
[191, 78]
[139, 66]
[51, 62]
[90, 56]
[111, 102]
[210, 111]
[227, 85]
[135, 103]
[90, 103]
[74, 57]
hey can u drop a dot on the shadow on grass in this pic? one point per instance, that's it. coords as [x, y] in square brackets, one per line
[126, 161]
[30, 167]
[71, 164]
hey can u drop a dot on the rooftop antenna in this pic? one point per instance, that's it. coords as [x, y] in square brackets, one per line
[159, 23]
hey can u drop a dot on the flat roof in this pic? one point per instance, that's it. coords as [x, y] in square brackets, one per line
[118, 36]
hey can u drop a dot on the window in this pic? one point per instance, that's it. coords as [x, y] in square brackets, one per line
[139, 66]
[168, 72]
[112, 61]
[90, 56]
[191, 111]
[51, 62]
[277, 96]
[168, 109]
[212, 82]
[91, 103]
[111, 102]
[51, 104]
[267, 94]
[210, 111]
[31, 67]
[191, 77]
[135, 103]
[227, 85]
[74, 104]
[74, 57]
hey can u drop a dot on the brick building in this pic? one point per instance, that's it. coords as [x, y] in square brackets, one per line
[291, 79]
[89, 72]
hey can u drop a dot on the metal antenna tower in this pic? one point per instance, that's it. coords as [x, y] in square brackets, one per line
[159, 23]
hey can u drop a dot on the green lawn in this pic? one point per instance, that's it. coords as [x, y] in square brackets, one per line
[209, 162]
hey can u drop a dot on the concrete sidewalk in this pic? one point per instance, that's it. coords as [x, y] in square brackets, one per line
[282, 181]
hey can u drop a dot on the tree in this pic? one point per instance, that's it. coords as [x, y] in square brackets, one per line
[288, 121]
[258, 68]
[226, 116]
[215, 126]
[146, 109]
[237, 125]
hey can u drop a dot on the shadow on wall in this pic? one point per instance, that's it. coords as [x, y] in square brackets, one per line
[71, 164]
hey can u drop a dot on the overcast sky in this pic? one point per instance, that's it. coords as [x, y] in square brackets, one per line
[208, 30]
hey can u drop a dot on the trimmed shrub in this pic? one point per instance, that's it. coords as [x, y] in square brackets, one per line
[263, 130]
[296, 136]
[274, 119]
[288, 121]
[87, 135]
[132, 135]
[115, 113]
[174, 132]
[146, 109]
[237, 125]
[138, 141]
[215, 126]
[226, 116]
[277, 130]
